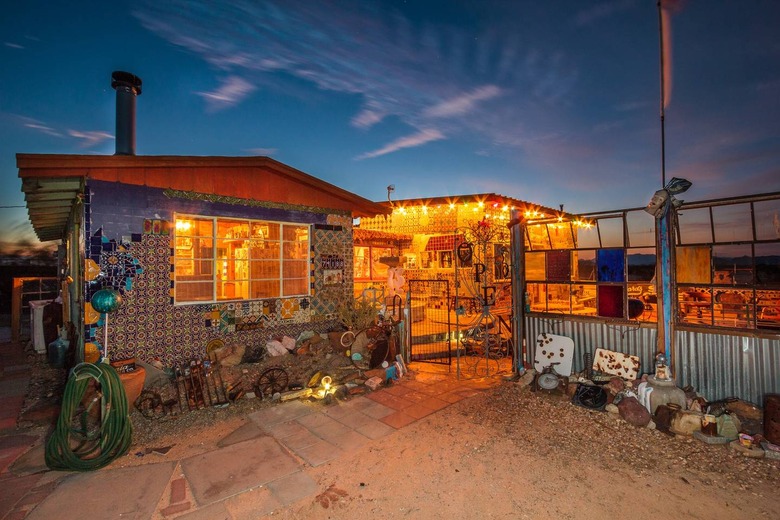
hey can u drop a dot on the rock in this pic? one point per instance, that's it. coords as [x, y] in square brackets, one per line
[651, 425]
[611, 408]
[615, 385]
[633, 412]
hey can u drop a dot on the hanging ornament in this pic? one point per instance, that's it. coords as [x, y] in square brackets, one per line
[106, 300]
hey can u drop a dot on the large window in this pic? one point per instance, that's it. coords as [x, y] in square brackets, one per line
[601, 268]
[727, 257]
[728, 265]
[220, 259]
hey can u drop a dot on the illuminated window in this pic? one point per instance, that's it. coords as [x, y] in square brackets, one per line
[368, 262]
[220, 259]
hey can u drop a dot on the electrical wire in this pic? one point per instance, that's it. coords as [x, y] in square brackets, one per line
[76, 449]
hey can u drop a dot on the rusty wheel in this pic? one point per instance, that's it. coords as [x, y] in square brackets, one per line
[271, 381]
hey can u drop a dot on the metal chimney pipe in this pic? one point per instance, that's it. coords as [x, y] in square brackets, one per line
[127, 87]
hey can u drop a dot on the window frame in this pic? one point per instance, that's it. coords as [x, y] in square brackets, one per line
[217, 242]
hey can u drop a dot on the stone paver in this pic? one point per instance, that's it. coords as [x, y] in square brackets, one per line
[284, 412]
[253, 504]
[293, 488]
[318, 453]
[248, 431]
[375, 430]
[216, 475]
[398, 420]
[131, 493]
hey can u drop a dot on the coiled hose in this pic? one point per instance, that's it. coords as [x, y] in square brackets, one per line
[75, 449]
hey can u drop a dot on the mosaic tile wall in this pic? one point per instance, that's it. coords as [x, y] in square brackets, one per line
[147, 325]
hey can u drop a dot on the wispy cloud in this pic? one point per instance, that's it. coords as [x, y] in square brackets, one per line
[595, 12]
[430, 76]
[463, 104]
[88, 139]
[39, 126]
[409, 141]
[367, 118]
[231, 92]
[14, 45]
[262, 151]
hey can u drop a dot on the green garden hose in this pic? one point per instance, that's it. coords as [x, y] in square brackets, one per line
[74, 449]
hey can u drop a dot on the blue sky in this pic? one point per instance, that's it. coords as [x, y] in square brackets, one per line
[552, 102]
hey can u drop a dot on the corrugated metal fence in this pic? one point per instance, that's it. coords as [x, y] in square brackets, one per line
[716, 365]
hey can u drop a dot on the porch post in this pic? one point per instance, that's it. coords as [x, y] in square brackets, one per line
[517, 246]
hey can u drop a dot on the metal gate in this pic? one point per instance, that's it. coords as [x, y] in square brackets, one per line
[430, 321]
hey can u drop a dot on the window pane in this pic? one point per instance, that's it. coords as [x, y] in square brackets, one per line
[611, 265]
[296, 250]
[265, 250]
[768, 309]
[767, 219]
[695, 305]
[584, 299]
[296, 269]
[265, 269]
[263, 289]
[362, 263]
[193, 291]
[611, 232]
[232, 229]
[641, 229]
[693, 264]
[559, 266]
[610, 301]
[534, 266]
[293, 233]
[695, 226]
[296, 287]
[734, 308]
[644, 293]
[585, 265]
[232, 290]
[641, 265]
[194, 227]
[537, 296]
[559, 298]
[732, 223]
[768, 264]
[537, 235]
[560, 235]
[732, 265]
[587, 236]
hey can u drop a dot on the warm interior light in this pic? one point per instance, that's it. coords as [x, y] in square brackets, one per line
[452, 206]
[183, 225]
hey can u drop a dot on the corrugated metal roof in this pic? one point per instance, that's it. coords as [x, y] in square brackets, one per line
[49, 203]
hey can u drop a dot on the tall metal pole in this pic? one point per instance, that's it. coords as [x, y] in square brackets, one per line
[663, 93]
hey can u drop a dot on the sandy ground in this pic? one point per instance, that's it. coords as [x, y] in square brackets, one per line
[466, 462]
[511, 453]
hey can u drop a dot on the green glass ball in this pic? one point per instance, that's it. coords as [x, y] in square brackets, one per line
[106, 300]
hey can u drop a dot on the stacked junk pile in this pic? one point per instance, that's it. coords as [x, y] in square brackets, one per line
[612, 382]
[312, 366]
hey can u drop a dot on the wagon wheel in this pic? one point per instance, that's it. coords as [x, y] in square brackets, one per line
[271, 381]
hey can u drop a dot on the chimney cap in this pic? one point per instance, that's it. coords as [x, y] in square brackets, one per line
[121, 79]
